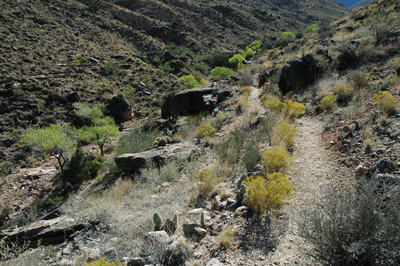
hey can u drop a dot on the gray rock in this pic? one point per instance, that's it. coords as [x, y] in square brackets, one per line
[223, 94]
[157, 238]
[383, 166]
[137, 261]
[74, 96]
[189, 228]
[47, 232]
[298, 74]
[133, 162]
[110, 254]
[214, 262]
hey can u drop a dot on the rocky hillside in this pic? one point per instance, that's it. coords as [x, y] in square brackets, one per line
[55, 53]
[202, 189]
[360, 4]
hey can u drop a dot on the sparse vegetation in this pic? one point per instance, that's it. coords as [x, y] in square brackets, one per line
[284, 134]
[221, 72]
[354, 227]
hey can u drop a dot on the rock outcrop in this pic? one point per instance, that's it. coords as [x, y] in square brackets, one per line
[120, 109]
[133, 162]
[298, 74]
[45, 232]
[193, 102]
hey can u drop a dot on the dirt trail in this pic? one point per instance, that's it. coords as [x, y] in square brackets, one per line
[313, 169]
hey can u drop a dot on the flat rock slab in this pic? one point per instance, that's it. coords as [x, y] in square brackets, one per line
[47, 232]
[133, 162]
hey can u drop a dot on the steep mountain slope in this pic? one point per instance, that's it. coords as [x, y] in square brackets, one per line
[50, 49]
[360, 4]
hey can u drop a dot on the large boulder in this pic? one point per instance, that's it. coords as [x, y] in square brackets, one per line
[348, 58]
[119, 108]
[45, 232]
[192, 102]
[133, 162]
[298, 74]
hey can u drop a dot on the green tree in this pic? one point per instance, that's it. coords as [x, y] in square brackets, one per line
[54, 140]
[102, 132]
[256, 46]
[314, 27]
[237, 59]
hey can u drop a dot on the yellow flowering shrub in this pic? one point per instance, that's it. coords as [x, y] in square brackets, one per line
[246, 90]
[267, 194]
[103, 262]
[344, 91]
[207, 181]
[328, 102]
[205, 130]
[386, 101]
[269, 100]
[288, 108]
[284, 134]
[276, 159]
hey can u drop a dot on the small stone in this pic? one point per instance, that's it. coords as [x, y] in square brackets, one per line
[200, 231]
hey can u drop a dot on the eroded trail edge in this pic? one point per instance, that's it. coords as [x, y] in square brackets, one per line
[313, 169]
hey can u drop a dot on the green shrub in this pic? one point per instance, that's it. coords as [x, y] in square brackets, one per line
[284, 134]
[328, 102]
[5, 168]
[237, 59]
[248, 53]
[386, 101]
[110, 66]
[314, 27]
[267, 194]
[221, 72]
[343, 91]
[246, 78]
[288, 36]
[276, 159]
[78, 169]
[190, 82]
[346, 226]
[137, 140]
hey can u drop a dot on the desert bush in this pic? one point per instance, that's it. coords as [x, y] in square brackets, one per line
[269, 100]
[221, 72]
[205, 130]
[354, 227]
[85, 110]
[386, 101]
[368, 137]
[267, 194]
[245, 90]
[227, 237]
[110, 66]
[328, 102]
[103, 262]
[288, 36]
[284, 135]
[229, 149]
[221, 119]
[288, 108]
[218, 59]
[5, 168]
[251, 154]
[246, 78]
[78, 169]
[207, 181]
[248, 53]
[343, 91]
[360, 79]
[137, 141]
[276, 159]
